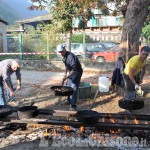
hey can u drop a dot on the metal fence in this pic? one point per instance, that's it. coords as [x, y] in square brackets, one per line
[43, 46]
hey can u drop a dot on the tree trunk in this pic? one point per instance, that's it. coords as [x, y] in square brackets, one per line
[68, 40]
[137, 12]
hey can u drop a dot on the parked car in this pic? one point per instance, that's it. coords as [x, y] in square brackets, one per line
[110, 55]
[95, 47]
[78, 49]
[109, 44]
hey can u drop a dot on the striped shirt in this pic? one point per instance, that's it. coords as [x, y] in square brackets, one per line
[6, 71]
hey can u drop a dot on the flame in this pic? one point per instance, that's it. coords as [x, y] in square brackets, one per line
[95, 136]
[66, 128]
[46, 133]
[136, 121]
[119, 131]
[103, 120]
[112, 131]
[81, 129]
[145, 122]
[112, 120]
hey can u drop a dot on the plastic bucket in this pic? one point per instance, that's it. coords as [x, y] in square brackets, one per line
[103, 83]
[84, 90]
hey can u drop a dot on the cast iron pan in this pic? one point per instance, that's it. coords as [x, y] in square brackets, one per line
[87, 116]
[27, 112]
[6, 110]
[62, 90]
[131, 104]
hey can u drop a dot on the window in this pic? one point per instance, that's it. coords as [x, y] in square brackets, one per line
[75, 46]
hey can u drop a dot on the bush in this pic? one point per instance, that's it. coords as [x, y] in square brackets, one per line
[78, 38]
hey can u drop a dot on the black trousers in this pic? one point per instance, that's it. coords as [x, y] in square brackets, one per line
[129, 85]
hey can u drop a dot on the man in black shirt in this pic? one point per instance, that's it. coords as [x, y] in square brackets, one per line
[74, 70]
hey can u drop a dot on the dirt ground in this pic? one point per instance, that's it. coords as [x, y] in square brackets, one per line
[36, 86]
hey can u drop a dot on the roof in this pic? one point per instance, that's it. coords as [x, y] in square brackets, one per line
[46, 18]
[1, 20]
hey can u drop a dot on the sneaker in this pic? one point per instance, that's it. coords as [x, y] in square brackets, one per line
[72, 109]
[66, 102]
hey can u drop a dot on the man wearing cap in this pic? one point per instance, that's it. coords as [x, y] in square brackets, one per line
[7, 68]
[73, 73]
[135, 66]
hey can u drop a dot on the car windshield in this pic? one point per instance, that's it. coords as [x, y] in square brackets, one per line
[115, 49]
[95, 48]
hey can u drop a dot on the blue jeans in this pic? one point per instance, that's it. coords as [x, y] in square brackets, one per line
[2, 96]
[74, 82]
[8, 92]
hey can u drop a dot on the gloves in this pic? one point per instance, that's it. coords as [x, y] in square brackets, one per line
[136, 87]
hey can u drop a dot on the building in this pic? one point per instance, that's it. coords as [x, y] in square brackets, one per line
[3, 38]
[99, 28]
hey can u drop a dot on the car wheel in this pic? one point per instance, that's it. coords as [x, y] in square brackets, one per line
[100, 59]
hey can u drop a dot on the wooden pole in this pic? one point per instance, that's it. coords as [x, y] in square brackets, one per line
[127, 51]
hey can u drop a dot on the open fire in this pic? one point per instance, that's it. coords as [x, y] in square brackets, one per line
[111, 129]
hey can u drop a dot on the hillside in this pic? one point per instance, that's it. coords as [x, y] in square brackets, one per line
[18, 9]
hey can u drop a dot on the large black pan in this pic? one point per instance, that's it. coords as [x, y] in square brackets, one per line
[62, 90]
[87, 116]
[131, 104]
[6, 110]
[27, 112]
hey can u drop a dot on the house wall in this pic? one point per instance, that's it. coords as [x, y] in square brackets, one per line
[3, 38]
[104, 28]
[101, 34]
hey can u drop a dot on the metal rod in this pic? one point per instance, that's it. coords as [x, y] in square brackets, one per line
[125, 116]
[79, 124]
[101, 115]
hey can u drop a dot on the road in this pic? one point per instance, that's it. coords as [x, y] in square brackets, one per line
[36, 77]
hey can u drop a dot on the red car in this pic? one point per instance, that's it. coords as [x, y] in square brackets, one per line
[107, 55]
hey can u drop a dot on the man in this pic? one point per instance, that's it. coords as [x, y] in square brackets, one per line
[7, 68]
[74, 70]
[134, 71]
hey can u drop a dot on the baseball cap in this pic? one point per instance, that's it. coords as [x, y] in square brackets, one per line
[60, 48]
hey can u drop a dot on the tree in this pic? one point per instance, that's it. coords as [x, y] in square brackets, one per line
[134, 12]
[63, 12]
[136, 15]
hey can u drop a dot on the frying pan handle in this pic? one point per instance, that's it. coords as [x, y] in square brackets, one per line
[15, 109]
[94, 99]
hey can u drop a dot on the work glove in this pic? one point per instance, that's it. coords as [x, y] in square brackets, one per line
[136, 87]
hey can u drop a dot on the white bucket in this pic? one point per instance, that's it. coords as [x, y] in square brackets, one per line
[103, 84]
